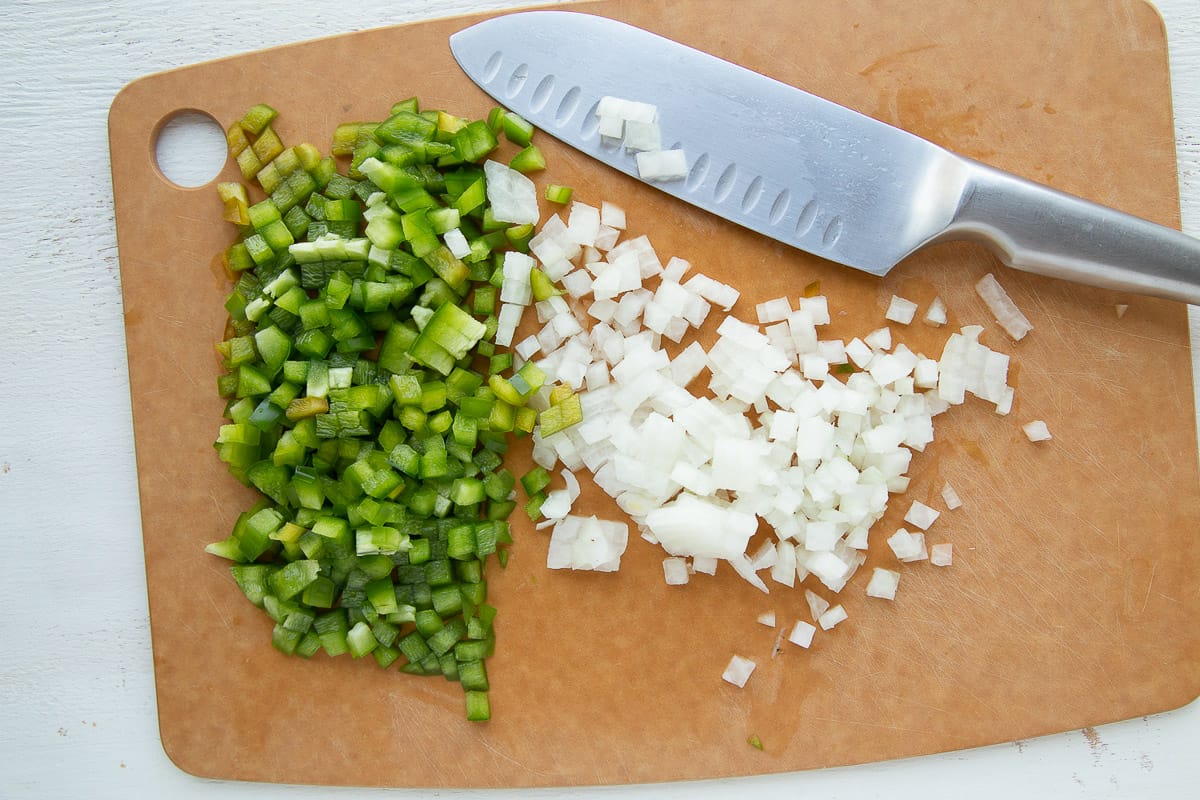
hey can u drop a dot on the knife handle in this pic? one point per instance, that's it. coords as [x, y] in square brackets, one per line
[1038, 229]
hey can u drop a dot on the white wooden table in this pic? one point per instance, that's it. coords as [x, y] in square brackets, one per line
[77, 710]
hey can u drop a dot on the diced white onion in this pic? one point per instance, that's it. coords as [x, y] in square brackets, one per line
[941, 555]
[675, 571]
[936, 313]
[1036, 431]
[901, 310]
[642, 136]
[817, 605]
[767, 618]
[662, 165]
[587, 543]
[904, 545]
[612, 215]
[802, 634]
[511, 195]
[950, 497]
[883, 584]
[457, 243]
[738, 671]
[920, 515]
[832, 617]
[1010, 318]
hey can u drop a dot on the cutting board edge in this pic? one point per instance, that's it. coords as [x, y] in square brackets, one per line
[123, 97]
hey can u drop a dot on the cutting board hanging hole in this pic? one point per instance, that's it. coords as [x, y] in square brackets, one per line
[190, 149]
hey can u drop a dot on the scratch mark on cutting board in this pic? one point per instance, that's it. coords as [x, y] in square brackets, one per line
[891, 58]
[870, 724]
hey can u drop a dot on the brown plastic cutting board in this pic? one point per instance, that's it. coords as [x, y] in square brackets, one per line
[1076, 583]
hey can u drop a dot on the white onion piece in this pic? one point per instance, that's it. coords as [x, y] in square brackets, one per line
[577, 283]
[936, 313]
[832, 617]
[802, 634]
[883, 584]
[512, 196]
[612, 215]
[701, 527]
[941, 555]
[516, 269]
[775, 310]
[817, 308]
[507, 322]
[880, 339]
[918, 544]
[457, 243]
[611, 127]
[1010, 318]
[920, 515]
[706, 566]
[1121, 309]
[583, 223]
[587, 543]
[1036, 431]
[642, 136]
[662, 165]
[904, 545]
[901, 310]
[741, 565]
[817, 605]
[950, 497]
[621, 108]
[767, 618]
[738, 671]
[675, 571]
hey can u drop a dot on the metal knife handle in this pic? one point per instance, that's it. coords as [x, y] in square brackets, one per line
[1038, 229]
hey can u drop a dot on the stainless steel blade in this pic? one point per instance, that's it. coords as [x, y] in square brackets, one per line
[777, 160]
[802, 169]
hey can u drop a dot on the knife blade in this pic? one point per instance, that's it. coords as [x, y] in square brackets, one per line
[802, 169]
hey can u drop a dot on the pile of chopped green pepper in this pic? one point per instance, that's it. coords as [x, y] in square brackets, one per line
[365, 400]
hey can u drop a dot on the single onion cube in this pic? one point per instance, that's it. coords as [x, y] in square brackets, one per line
[936, 313]
[904, 544]
[1036, 431]
[1005, 311]
[645, 136]
[662, 165]
[883, 584]
[901, 310]
[457, 243]
[802, 633]
[513, 196]
[739, 671]
[921, 515]
[767, 618]
[940, 555]
[707, 566]
[675, 571]
[951, 497]
[832, 617]
[612, 215]
[880, 339]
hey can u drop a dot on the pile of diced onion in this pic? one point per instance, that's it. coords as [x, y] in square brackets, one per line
[773, 423]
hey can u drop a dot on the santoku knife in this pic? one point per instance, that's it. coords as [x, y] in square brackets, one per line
[804, 170]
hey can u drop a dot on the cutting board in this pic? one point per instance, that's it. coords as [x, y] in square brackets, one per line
[1075, 588]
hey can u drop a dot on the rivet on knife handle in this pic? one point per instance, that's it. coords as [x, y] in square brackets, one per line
[806, 171]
